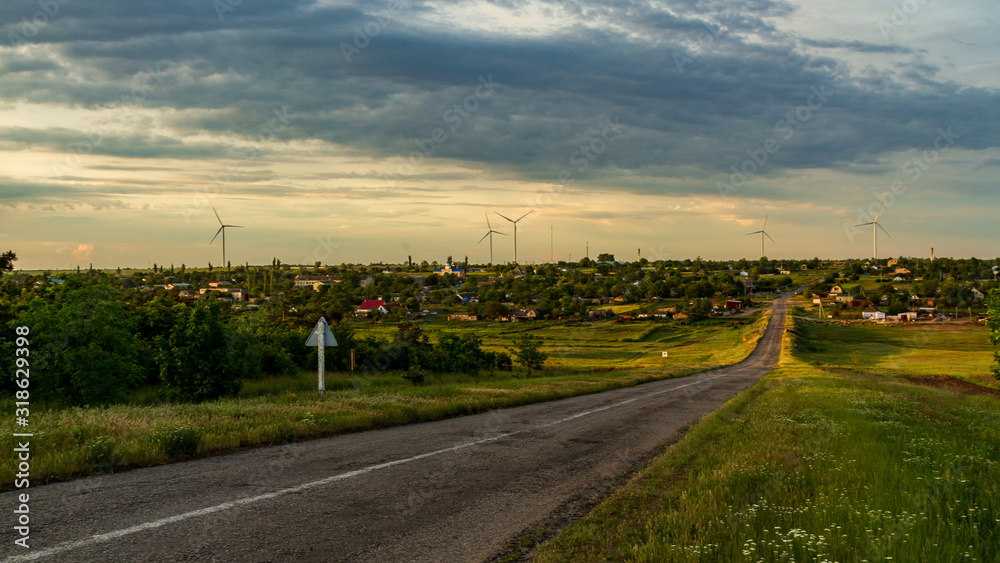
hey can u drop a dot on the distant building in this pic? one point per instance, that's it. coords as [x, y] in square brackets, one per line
[369, 305]
[872, 313]
[315, 281]
[450, 268]
[836, 290]
[234, 294]
[462, 317]
[734, 304]
[220, 284]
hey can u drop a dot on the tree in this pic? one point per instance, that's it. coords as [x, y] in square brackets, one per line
[85, 350]
[605, 257]
[993, 325]
[7, 260]
[527, 352]
[198, 362]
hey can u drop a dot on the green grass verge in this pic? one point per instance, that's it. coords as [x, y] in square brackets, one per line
[585, 358]
[813, 465]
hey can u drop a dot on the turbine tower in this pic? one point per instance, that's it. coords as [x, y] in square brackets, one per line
[222, 229]
[489, 233]
[515, 229]
[762, 234]
[875, 228]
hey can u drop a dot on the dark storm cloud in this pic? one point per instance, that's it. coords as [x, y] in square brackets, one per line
[742, 78]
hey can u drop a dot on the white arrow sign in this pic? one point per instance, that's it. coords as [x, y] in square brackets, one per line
[321, 337]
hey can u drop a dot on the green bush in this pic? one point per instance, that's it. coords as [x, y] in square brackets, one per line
[177, 441]
[415, 375]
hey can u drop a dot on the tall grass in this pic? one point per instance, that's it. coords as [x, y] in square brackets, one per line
[813, 466]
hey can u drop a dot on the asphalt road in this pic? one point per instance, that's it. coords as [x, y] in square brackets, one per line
[453, 490]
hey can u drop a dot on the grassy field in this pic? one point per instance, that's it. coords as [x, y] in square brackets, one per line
[957, 350]
[818, 463]
[584, 358]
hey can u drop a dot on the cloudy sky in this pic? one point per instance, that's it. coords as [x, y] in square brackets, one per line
[370, 132]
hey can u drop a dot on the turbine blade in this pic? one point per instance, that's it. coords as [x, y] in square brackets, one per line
[505, 217]
[499, 233]
[488, 221]
[884, 231]
[865, 224]
[216, 215]
[525, 215]
[755, 233]
[769, 236]
[765, 221]
[879, 213]
[238, 226]
[484, 237]
[216, 235]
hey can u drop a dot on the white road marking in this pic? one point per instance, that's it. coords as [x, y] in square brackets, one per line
[100, 538]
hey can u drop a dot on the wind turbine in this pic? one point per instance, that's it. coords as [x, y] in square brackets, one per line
[222, 230]
[875, 228]
[489, 233]
[515, 229]
[762, 234]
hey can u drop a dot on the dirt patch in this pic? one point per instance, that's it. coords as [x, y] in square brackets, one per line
[953, 384]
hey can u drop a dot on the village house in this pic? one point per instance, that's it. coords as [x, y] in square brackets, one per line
[872, 313]
[315, 281]
[462, 317]
[601, 314]
[369, 305]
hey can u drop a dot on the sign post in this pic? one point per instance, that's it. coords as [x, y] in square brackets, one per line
[321, 337]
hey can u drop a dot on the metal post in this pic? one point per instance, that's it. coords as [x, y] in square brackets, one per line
[321, 341]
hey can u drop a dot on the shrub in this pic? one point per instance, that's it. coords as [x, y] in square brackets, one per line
[177, 441]
[415, 375]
